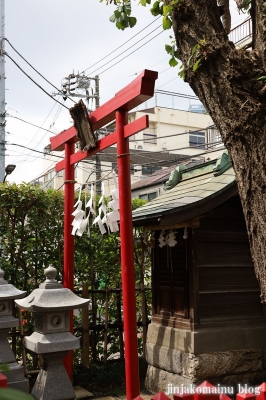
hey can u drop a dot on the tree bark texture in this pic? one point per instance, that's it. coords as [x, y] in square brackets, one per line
[226, 81]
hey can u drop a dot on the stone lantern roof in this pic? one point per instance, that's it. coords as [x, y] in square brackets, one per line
[8, 291]
[51, 296]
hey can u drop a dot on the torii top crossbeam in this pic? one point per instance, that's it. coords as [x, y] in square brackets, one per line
[134, 94]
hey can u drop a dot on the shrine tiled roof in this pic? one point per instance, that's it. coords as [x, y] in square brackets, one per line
[200, 189]
[160, 176]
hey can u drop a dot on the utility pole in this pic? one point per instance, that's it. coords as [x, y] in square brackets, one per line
[74, 85]
[2, 92]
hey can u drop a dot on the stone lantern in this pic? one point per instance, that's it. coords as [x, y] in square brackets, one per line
[15, 373]
[50, 305]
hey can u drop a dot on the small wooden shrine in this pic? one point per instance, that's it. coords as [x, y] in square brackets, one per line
[207, 319]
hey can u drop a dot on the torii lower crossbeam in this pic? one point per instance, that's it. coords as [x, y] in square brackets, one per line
[140, 90]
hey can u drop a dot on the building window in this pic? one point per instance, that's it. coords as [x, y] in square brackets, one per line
[148, 169]
[197, 139]
[143, 196]
[197, 108]
[60, 174]
[148, 196]
[152, 196]
[213, 138]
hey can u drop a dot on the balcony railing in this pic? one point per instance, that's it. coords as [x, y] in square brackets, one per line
[241, 33]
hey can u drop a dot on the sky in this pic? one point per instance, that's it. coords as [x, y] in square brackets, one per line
[61, 36]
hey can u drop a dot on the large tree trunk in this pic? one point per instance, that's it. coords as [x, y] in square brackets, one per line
[226, 81]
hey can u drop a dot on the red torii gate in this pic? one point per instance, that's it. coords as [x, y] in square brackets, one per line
[134, 94]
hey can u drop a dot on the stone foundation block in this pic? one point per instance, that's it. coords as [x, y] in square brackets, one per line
[251, 378]
[204, 366]
[179, 339]
[164, 358]
[158, 380]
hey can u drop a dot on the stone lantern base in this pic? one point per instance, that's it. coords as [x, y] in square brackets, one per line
[52, 382]
[15, 374]
[15, 378]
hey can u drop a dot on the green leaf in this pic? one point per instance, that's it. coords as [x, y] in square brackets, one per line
[194, 49]
[176, 54]
[173, 62]
[156, 9]
[132, 21]
[167, 23]
[144, 2]
[181, 73]
[119, 25]
[246, 4]
[262, 78]
[112, 18]
[197, 64]
[169, 49]
[189, 60]
[167, 10]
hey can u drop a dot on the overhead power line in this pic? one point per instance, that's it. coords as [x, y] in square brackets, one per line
[30, 123]
[31, 67]
[101, 72]
[28, 148]
[108, 62]
[39, 86]
[119, 47]
[21, 162]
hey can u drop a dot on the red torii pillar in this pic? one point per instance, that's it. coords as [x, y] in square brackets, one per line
[134, 94]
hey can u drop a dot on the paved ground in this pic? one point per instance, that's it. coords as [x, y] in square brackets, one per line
[85, 395]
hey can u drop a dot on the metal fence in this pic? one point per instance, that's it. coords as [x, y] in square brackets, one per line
[242, 32]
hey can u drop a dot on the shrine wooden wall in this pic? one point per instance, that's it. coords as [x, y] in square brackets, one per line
[209, 277]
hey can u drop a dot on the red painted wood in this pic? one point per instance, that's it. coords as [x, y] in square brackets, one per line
[69, 240]
[3, 381]
[136, 126]
[60, 165]
[127, 259]
[130, 129]
[58, 141]
[134, 94]
[101, 144]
